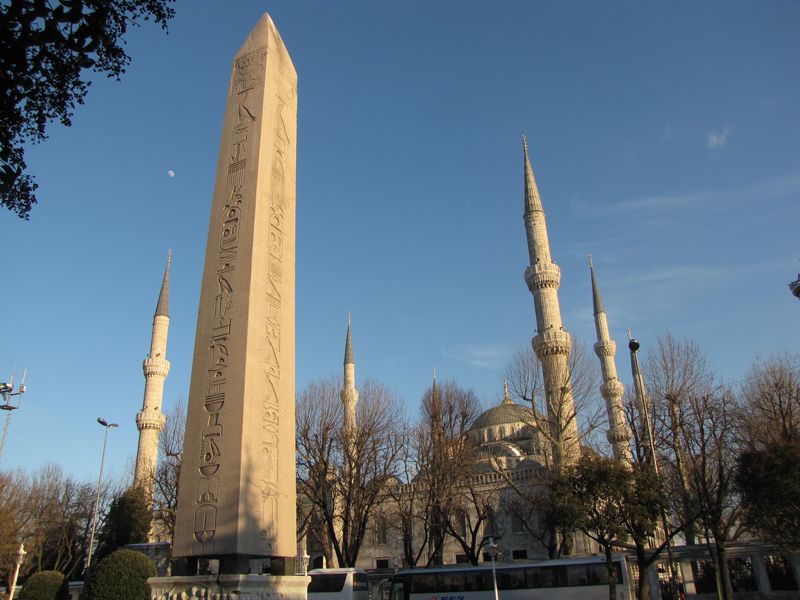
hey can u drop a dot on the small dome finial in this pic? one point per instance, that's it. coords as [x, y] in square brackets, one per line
[506, 397]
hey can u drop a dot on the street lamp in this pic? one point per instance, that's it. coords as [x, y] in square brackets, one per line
[794, 286]
[107, 426]
[8, 395]
[492, 547]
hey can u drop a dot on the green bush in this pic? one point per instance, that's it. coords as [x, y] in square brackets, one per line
[43, 585]
[122, 574]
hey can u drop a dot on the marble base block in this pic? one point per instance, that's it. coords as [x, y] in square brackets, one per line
[229, 587]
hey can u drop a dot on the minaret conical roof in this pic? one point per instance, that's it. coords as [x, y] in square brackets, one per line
[162, 308]
[349, 359]
[532, 199]
[597, 300]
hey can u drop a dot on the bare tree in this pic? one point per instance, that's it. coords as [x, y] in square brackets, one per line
[344, 478]
[769, 402]
[676, 372]
[555, 421]
[165, 480]
[50, 512]
[710, 442]
[411, 500]
[447, 413]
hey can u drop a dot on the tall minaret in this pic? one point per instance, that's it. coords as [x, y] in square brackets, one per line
[349, 393]
[150, 420]
[612, 387]
[552, 343]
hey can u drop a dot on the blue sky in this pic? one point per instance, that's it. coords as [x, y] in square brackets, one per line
[663, 138]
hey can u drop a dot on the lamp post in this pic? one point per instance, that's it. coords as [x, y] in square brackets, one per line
[9, 396]
[492, 547]
[107, 426]
[20, 557]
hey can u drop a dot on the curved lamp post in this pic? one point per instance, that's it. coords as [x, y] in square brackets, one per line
[107, 426]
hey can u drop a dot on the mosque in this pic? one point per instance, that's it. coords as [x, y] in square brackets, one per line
[513, 443]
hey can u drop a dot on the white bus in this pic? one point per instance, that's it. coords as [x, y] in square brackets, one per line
[560, 579]
[338, 584]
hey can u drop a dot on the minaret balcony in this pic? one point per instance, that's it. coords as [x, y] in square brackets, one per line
[552, 341]
[543, 275]
[155, 366]
[612, 388]
[150, 420]
[607, 348]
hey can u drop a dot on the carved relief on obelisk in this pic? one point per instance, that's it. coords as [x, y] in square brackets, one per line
[237, 487]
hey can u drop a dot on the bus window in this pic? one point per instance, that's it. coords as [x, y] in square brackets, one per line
[423, 583]
[478, 581]
[450, 582]
[511, 579]
[576, 575]
[598, 575]
[541, 577]
[327, 583]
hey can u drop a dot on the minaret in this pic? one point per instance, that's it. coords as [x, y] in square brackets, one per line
[349, 393]
[611, 388]
[150, 420]
[552, 343]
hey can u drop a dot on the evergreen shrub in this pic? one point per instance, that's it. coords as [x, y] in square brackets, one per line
[122, 574]
[44, 585]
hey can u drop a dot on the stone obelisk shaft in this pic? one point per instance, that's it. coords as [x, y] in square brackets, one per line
[237, 488]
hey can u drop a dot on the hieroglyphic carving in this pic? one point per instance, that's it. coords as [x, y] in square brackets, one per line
[270, 413]
[249, 70]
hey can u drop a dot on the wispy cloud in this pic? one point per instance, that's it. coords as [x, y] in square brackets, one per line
[640, 207]
[666, 134]
[482, 356]
[718, 140]
[679, 275]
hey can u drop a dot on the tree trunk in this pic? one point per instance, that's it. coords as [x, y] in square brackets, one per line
[724, 571]
[642, 583]
[612, 573]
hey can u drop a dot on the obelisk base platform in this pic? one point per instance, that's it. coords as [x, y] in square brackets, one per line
[229, 587]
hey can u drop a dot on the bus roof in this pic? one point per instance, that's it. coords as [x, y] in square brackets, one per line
[593, 559]
[335, 571]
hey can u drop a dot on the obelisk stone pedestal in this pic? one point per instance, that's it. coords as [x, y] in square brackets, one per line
[237, 498]
[228, 587]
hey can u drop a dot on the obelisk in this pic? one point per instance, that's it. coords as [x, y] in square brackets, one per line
[236, 502]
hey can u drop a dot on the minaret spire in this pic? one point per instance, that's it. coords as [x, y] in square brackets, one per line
[532, 199]
[552, 343]
[162, 308]
[349, 393]
[150, 420]
[611, 388]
